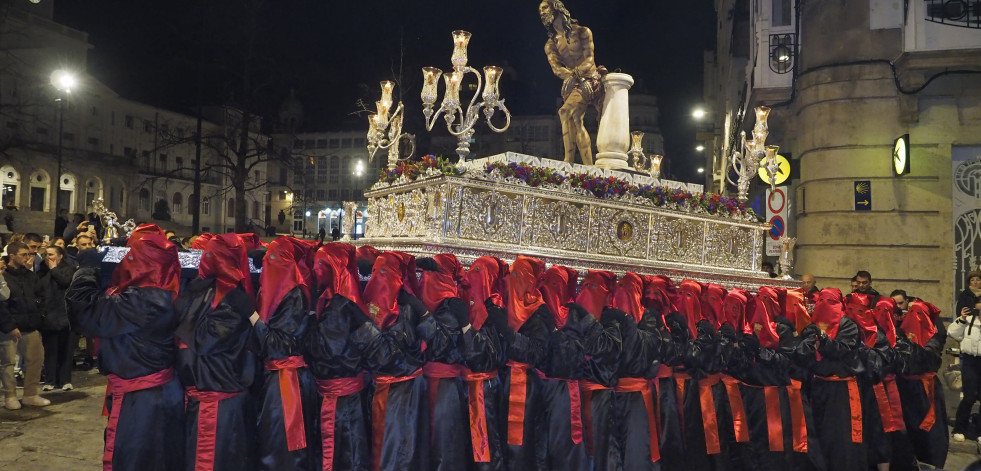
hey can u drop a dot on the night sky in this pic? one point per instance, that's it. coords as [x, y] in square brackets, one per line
[331, 53]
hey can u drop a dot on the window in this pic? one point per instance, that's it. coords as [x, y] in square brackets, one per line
[333, 195]
[230, 208]
[282, 196]
[345, 143]
[322, 179]
[147, 125]
[163, 162]
[69, 136]
[335, 164]
[321, 194]
[298, 144]
[334, 144]
[129, 122]
[178, 206]
[180, 133]
[359, 142]
[321, 143]
[144, 199]
[322, 161]
[283, 175]
[255, 210]
[309, 144]
[164, 128]
[781, 13]
[179, 162]
[206, 206]
[94, 142]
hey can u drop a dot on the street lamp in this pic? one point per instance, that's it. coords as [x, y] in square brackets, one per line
[699, 148]
[63, 81]
[701, 170]
[698, 113]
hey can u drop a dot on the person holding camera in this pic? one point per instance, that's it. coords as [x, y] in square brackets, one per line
[966, 329]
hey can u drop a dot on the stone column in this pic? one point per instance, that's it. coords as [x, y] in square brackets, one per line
[613, 138]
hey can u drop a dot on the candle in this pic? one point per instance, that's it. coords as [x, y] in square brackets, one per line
[492, 75]
[452, 99]
[430, 80]
[387, 88]
[460, 40]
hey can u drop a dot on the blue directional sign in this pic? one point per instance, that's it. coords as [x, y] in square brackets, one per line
[863, 195]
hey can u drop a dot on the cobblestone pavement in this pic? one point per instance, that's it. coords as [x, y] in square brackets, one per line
[67, 435]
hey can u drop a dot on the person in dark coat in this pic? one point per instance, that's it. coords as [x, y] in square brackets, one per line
[886, 392]
[483, 349]
[56, 333]
[215, 361]
[919, 348]
[874, 357]
[443, 278]
[829, 349]
[526, 331]
[393, 352]
[144, 400]
[288, 399]
[20, 319]
[332, 353]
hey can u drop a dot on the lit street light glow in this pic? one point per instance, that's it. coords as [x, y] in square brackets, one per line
[699, 113]
[699, 147]
[701, 170]
[63, 80]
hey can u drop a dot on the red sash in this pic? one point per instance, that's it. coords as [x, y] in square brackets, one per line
[710, 423]
[739, 423]
[479, 436]
[643, 386]
[516, 402]
[331, 390]
[854, 403]
[797, 420]
[204, 455]
[586, 391]
[289, 393]
[575, 406]
[117, 388]
[379, 404]
[928, 386]
[887, 398]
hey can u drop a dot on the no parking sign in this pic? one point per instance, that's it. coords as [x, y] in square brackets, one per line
[777, 210]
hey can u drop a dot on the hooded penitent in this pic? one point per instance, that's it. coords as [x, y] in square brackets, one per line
[660, 294]
[202, 240]
[858, 308]
[828, 310]
[558, 287]
[629, 294]
[251, 241]
[486, 278]
[225, 260]
[337, 273]
[142, 231]
[597, 291]
[918, 323]
[523, 296]
[883, 318]
[280, 274]
[738, 306]
[151, 263]
[795, 309]
[690, 303]
[713, 297]
[761, 321]
[437, 286]
[382, 291]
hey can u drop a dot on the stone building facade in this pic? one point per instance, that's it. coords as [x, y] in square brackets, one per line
[845, 80]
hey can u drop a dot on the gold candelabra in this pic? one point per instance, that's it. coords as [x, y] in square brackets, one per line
[650, 164]
[753, 154]
[385, 128]
[460, 122]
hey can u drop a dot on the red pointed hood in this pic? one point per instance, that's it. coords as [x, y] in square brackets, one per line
[918, 323]
[150, 263]
[795, 309]
[558, 288]
[883, 317]
[713, 297]
[367, 252]
[597, 291]
[628, 295]
[388, 276]
[251, 241]
[142, 231]
[225, 260]
[761, 321]
[858, 307]
[690, 303]
[660, 293]
[437, 286]
[486, 278]
[523, 296]
[829, 310]
[736, 308]
[280, 275]
[336, 272]
[201, 241]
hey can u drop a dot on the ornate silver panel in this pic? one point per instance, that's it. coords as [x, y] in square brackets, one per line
[556, 224]
[730, 246]
[679, 239]
[618, 232]
[490, 215]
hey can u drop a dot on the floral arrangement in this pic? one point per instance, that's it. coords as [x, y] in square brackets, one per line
[600, 187]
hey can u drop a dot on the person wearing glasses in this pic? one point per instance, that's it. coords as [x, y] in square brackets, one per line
[20, 318]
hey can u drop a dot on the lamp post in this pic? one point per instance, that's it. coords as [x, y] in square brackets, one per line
[63, 81]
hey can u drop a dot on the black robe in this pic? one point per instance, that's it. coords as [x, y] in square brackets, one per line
[449, 437]
[669, 403]
[402, 432]
[901, 456]
[630, 431]
[331, 354]
[812, 459]
[279, 339]
[830, 400]
[484, 354]
[214, 357]
[136, 331]
[918, 366]
[525, 428]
